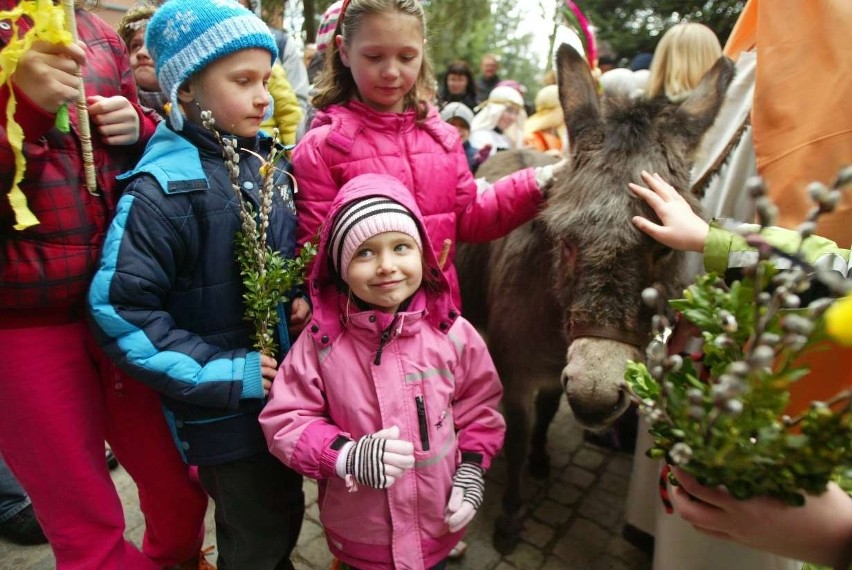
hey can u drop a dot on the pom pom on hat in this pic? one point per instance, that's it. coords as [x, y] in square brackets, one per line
[362, 219]
[184, 36]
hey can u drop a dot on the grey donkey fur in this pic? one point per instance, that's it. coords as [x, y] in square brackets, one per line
[560, 297]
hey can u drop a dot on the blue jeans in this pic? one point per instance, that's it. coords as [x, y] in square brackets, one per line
[13, 498]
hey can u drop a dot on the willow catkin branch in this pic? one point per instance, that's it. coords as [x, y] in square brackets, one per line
[82, 110]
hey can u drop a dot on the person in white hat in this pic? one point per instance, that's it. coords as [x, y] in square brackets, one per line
[499, 122]
[460, 116]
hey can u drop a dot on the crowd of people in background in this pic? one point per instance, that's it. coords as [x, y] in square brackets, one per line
[138, 314]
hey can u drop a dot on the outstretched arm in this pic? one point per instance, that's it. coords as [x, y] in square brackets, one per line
[819, 532]
[681, 227]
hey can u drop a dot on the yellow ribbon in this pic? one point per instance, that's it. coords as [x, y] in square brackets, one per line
[48, 24]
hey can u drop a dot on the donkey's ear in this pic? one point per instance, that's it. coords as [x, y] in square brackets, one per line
[697, 113]
[577, 92]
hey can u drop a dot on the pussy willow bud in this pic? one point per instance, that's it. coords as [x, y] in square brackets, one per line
[729, 322]
[817, 191]
[761, 356]
[651, 297]
[769, 339]
[734, 407]
[755, 187]
[659, 323]
[673, 362]
[723, 341]
[791, 301]
[844, 177]
[797, 324]
[795, 342]
[695, 412]
[831, 201]
[680, 453]
[695, 395]
[818, 307]
[806, 229]
[767, 211]
[739, 369]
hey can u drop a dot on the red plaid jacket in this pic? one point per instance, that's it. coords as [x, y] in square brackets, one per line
[45, 270]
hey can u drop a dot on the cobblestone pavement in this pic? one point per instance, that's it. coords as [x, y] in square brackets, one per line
[573, 520]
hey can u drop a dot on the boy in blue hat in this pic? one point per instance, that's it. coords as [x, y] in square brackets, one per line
[167, 300]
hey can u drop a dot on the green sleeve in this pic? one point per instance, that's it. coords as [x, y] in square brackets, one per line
[724, 249]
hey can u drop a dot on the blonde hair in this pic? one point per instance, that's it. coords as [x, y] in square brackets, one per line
[685, 53]
[336, 84]
[134, 19]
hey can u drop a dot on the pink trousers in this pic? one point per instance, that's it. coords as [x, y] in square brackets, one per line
[60, 398]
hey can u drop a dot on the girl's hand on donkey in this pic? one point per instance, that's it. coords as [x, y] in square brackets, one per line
[466, 496]
[681, 227]
[377, 460]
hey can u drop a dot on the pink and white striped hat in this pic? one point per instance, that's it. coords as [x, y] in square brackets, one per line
[362, 219]
[328, 23]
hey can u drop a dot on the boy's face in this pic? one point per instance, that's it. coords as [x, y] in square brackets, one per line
[233, 88]
[462, 127]
[386, 270]
[141, 63]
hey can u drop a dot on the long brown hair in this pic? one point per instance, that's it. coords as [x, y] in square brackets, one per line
[335, 85]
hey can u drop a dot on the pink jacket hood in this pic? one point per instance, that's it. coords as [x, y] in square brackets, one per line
[325, 292]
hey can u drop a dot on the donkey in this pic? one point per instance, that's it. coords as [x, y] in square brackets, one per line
[560, 297]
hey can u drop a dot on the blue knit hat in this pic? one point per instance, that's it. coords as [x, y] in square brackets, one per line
[184, 36]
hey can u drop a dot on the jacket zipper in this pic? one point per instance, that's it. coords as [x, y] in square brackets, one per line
[384, 340]
[424, 426]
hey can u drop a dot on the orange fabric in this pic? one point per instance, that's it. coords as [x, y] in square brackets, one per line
[744, 35]
[831, 372]
[543, 141]
[801, 130]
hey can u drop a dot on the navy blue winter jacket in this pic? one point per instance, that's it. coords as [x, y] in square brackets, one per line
[166, 302]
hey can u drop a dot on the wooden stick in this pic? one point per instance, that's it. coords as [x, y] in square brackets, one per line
[445, 253]
[82, 110]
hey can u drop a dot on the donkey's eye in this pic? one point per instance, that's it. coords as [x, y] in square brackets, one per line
[663, 254]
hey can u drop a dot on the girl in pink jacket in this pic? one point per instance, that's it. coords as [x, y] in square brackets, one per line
[390, 398]
[373, 115]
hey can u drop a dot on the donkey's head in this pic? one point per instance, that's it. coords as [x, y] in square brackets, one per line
[602, 260]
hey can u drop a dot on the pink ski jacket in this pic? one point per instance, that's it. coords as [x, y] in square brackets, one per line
[427, 157]
[352, 373]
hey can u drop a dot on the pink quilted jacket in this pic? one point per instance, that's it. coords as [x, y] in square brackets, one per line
[434, 379]
[427, 157]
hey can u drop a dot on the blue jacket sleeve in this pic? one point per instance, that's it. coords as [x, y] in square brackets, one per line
[127, 297]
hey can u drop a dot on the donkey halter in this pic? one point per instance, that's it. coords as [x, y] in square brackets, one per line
[581, 330]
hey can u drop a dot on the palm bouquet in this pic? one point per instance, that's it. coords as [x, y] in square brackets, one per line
[267, 275]
[717, 405]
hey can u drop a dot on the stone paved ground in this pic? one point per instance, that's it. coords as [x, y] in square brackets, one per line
[573, 521]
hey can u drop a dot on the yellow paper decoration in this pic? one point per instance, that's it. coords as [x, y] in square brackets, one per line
[838, 320]
[48, 24]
